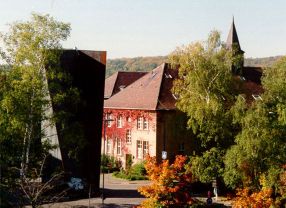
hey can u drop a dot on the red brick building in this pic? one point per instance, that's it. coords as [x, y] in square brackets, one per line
[142, 107]
[145, 119]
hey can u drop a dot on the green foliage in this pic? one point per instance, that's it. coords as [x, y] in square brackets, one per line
[28, 47]
[109, 163]
[259, 149]
[136, 172]
[205, 86]
[129, 162]
[208, 166]
[138, 169]
[207, 90]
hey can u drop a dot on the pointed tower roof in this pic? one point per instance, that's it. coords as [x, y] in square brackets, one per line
[232, 37]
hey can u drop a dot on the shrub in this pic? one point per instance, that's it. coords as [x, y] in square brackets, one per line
[109, 163]
[138, 169]
[170, 183]
[261, 199]
[136, 172]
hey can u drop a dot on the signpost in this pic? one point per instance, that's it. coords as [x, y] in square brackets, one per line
[164, 155]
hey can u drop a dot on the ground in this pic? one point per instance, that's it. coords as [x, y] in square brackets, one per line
[118, 193]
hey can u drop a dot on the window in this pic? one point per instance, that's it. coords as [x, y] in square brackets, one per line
[140, 123]
[176, 97]
[109, 118]
[119, 121]
[182, 147]
[108, 146]
[128, 136]
[128, 119]
[242, 78]
[139, 149]
[142, 149]
[256, 97]
[145, 124]
[118, 146]
[145, 148]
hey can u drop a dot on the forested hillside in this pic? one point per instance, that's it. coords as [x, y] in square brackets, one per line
[263, 62]
[149, 63]
[134, 64]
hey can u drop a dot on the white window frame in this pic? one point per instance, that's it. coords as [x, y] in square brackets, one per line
[108, 146]
[118, 146]
[128, 136]
[145, 148]
[139, 149]
[145, 124]
[128, 119]
[119, 122]
[256, 97]
[140, 123]
[109, 118]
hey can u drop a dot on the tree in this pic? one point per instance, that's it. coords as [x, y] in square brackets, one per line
[259, 150]
[206, 90]
[31, 48]
[170, 183]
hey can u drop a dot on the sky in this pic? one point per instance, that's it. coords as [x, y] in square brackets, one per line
[132, 28]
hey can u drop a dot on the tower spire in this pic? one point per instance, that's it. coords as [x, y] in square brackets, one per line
[232, 43]
[232, 38]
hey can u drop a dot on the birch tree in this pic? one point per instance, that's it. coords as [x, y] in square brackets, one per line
[29, 47]
[206, 90]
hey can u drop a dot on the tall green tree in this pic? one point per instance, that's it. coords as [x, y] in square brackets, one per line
[259, 150]
[205, 90]
[29, 48]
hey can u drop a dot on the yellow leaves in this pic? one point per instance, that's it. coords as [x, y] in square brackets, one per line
[261, 199]
[170, 183]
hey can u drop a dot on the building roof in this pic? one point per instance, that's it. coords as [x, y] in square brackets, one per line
[251, 85]
[253, 74]
[120, 80]
[232, 37]
[151, 92]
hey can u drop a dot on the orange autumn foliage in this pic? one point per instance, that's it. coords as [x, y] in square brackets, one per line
[170, 183]
[245, 199]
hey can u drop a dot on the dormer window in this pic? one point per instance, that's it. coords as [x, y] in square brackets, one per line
[176, 97]
[121, 87]
[242, 78]
[168, 76]
[256, 97]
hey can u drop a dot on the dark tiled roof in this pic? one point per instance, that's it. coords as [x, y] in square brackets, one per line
[232, 37]
[150, 92]
[252, 74]
[249, 89]
[251, 83]
[166, 98]
[120, 80]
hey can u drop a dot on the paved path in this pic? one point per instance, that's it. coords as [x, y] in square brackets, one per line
[118, 193]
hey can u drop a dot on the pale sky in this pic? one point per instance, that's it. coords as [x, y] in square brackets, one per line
[130, 28]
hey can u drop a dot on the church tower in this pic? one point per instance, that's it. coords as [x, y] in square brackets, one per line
[232, 43]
